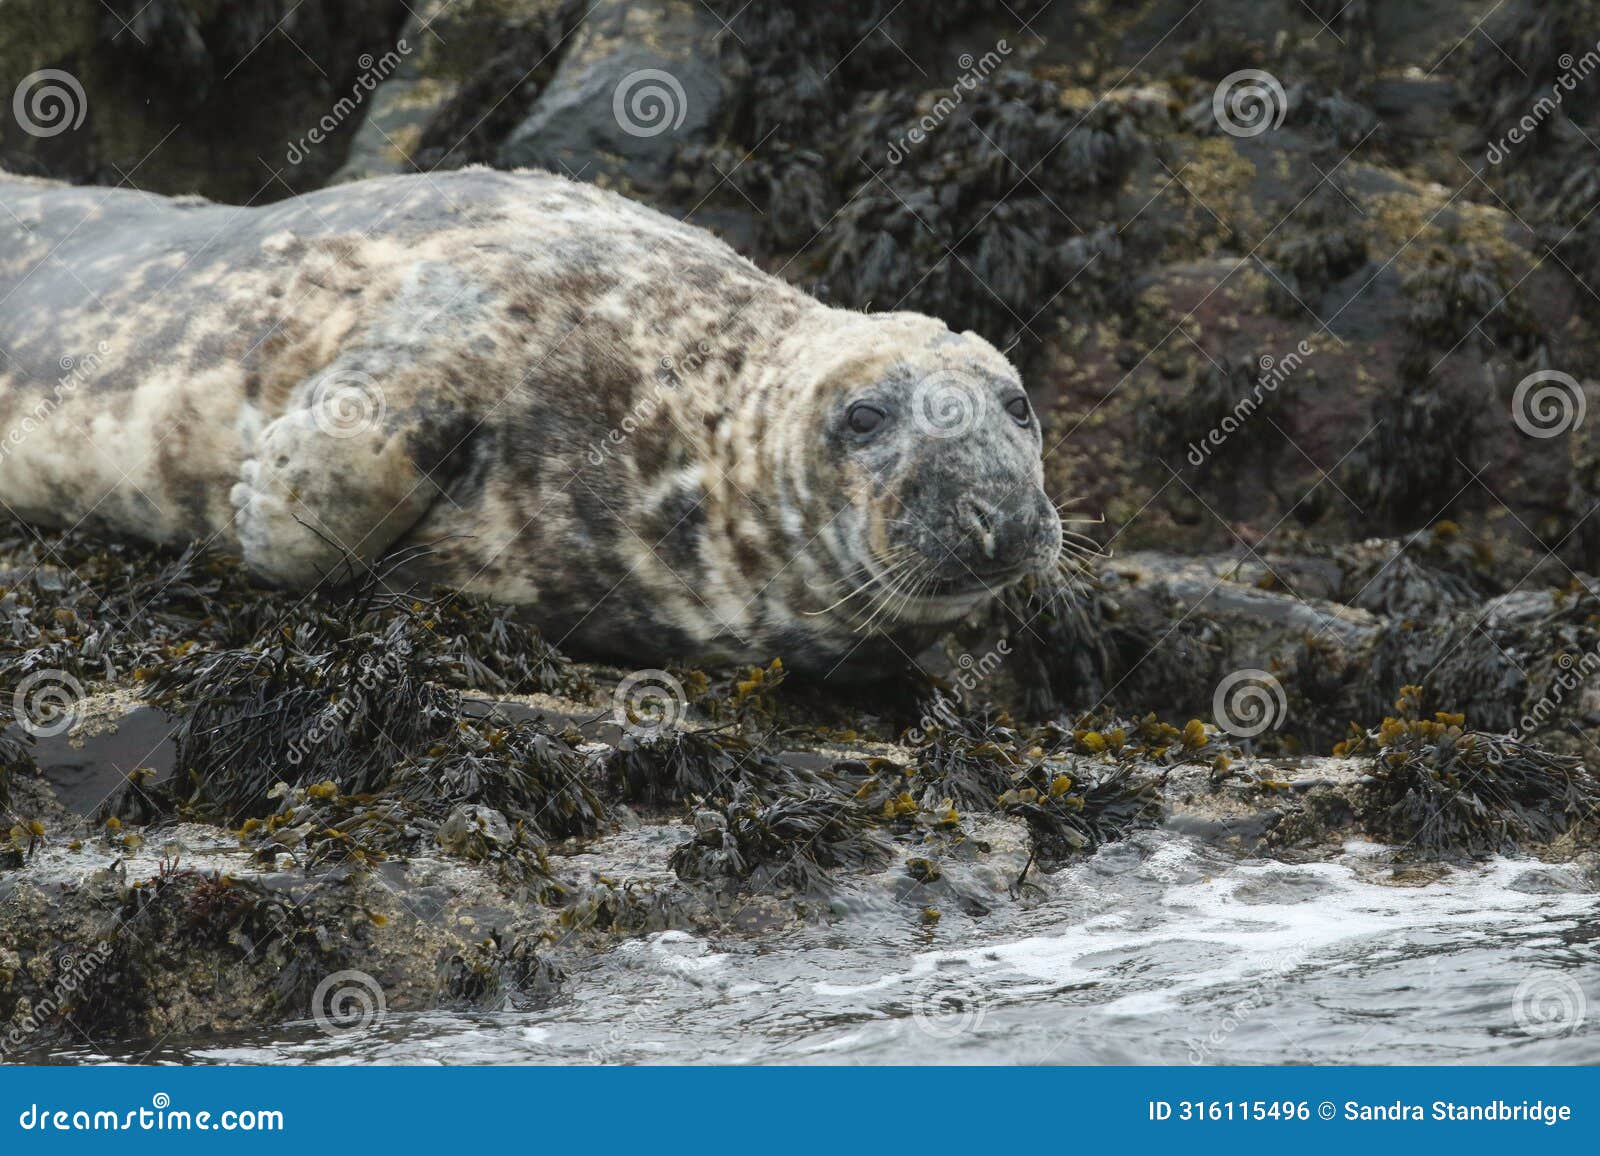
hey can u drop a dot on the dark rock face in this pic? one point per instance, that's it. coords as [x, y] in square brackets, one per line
[183, 97]
[634, 83]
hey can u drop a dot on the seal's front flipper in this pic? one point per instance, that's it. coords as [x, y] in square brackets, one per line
[334, 484]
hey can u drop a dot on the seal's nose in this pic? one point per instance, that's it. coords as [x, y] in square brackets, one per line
[991, 533]
[977, 520]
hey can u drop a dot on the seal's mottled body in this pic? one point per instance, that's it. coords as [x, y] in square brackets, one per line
[578, 405]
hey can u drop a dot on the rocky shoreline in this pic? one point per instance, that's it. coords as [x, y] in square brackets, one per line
[167, 874]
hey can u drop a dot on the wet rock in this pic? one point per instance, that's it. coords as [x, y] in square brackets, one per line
[472, 832]
[636, 82]
[1223, 587]
[449, 42]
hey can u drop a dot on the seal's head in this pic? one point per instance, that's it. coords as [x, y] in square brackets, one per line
[922, 482]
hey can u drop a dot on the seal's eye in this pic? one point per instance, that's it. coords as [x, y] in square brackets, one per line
[864, 418]
[1017, 407]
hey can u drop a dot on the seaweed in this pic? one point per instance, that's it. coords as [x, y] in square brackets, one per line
[1326, 241]
[1461, 300]
[352, 690]
[1521, 665]
[1244, 399]
[968, 759]
[1525, 49]
[980, 763]
[679, 765]
[1356, 25]
[477, 646]
[323, 700]
[502, 970]
[1396, 584]
[15, 758]
[468, 128]
[803, 60]
[520, 768]
[1416, 463]
[1443, 791]
[1070, 809]
[794, 841]
[969, 225]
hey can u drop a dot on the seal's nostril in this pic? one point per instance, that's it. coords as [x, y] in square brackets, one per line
[978, 520]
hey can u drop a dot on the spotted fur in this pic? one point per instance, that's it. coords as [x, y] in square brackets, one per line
[573, 403]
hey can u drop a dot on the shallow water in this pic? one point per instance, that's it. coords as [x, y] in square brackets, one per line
[1154, 951]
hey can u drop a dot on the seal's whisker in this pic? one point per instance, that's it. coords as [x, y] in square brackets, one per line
[872, 579]
[906, 581]
[1079, 544]
[863, 621]
[915, 591]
